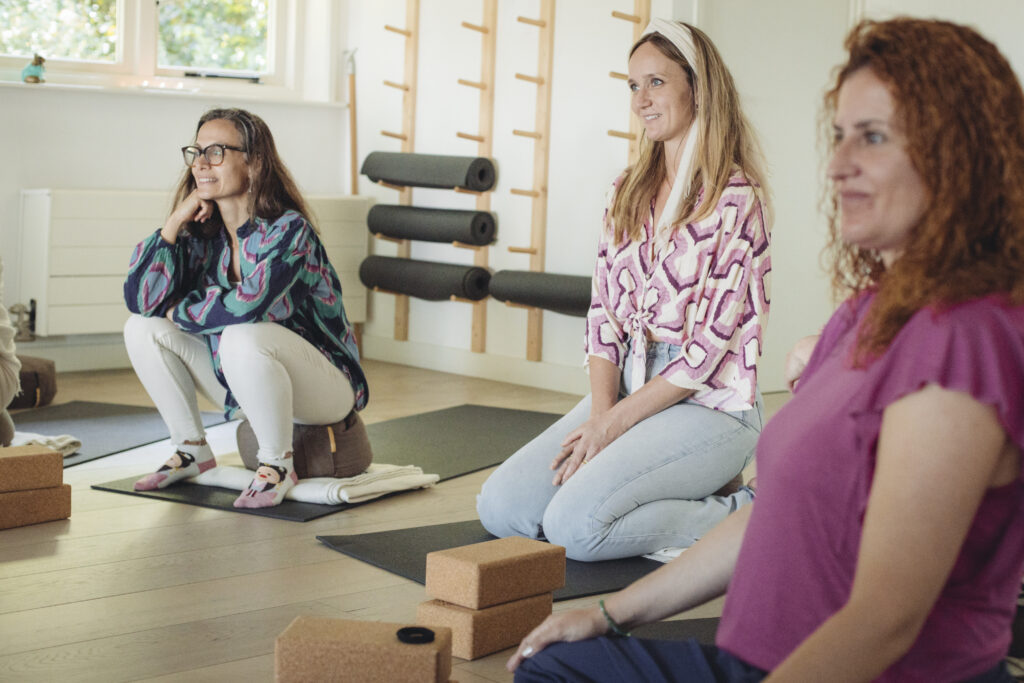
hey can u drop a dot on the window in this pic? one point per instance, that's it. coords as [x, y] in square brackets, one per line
[226, 37]
[172, 45]
[60, 29]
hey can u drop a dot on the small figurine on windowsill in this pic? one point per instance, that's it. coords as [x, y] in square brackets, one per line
[33, 73]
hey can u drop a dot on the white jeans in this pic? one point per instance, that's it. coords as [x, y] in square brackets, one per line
[277, 378]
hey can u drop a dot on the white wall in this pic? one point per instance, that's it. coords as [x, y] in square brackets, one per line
[779, 53]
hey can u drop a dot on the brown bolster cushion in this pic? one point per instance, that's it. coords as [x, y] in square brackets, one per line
[38, 383]
[339, 450]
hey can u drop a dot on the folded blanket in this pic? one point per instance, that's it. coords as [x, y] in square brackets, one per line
[65, 443]
[375, 482]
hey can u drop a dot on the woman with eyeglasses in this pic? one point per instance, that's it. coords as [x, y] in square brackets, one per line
[234, 296]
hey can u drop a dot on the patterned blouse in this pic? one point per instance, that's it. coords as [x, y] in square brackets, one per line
[704, 289]
[286, 278]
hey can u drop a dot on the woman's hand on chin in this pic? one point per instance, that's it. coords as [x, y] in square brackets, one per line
[192, 209]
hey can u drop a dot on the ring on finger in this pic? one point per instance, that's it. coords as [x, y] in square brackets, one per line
[528, 651]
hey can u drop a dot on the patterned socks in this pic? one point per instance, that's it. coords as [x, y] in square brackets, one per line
[188, 461]
[274, 478]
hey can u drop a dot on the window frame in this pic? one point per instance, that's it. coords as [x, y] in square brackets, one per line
[136, 62]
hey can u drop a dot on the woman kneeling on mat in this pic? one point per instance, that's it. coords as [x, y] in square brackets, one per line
[235, 296]
[887, 539]
[673, 335]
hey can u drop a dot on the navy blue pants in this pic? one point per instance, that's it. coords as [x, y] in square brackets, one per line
[635, 659]
[623, 660]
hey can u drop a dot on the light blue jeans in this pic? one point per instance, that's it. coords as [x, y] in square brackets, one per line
[651, 488]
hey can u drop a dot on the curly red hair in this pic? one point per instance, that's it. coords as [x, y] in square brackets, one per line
[962, 109]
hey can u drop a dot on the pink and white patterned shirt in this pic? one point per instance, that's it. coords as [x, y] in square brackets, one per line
[703, 288]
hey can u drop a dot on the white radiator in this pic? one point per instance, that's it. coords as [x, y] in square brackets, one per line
[76, 245]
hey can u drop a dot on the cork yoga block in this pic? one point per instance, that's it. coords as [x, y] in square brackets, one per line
[480, 632]
[21, 508]
[30, 467]
[493, 572]
[322, 649]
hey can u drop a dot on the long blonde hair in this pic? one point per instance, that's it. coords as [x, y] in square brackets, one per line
[725, 141]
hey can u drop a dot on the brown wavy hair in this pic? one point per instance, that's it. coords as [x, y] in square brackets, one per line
[962, 110]
[272, 190]
[725, 141]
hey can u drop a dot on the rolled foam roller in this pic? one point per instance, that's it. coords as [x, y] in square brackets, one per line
[425, 279]
[566, 294]
[431, 225]
[430, 170]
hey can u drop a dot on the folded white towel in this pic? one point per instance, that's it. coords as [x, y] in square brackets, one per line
[65, 443]
[376, 481]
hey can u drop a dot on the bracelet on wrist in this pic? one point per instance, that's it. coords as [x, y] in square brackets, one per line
[612, 625]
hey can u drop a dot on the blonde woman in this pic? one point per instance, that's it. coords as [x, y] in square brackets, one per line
[680, 300]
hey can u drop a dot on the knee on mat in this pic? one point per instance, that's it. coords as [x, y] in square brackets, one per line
[497, 513]
[577, 533]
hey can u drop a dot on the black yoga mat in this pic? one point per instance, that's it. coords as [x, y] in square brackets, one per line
[431, 225]
[103, 428]
[221, 499]
[430, 170]
[404, 552]
[425, 279]
[449, 442]
[703, 630]
[568, 294]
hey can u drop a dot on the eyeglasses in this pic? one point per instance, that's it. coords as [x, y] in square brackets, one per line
[214, 154]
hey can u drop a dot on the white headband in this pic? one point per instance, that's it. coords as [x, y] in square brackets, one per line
[682, 38]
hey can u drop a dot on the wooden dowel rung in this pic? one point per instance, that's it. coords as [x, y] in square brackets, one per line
[463, 245]
[532, 22]
[463, 190]
[527, 134]
[511, 304]
[397, 136]
[388, 291]
[475, 27]
[394, 29]
[473, 84]
[399, 86]
[469, 136]
[385, 237]
[628, 17]
[525, 193]
[390, 186]
[461, 300]
[532, 79]
[523, 250]
[620, 76]
[620, 134]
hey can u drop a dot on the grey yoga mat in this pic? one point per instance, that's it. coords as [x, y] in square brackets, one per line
[430, 170]
[449, 442]
[568, 294]
[404, 552]
[103, 428]
[431, 225]
[425, 279]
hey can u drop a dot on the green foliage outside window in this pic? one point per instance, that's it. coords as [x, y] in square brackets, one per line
[59, 29]
[228, 35]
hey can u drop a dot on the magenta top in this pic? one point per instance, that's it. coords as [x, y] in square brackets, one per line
[815, 463]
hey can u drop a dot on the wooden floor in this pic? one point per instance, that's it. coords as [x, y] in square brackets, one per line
[136, 589]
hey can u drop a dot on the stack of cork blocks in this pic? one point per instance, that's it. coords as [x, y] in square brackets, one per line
[321, 649]
[491, 594]
[32, 487]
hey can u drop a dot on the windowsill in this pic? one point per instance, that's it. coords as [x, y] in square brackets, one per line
[167, 86]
